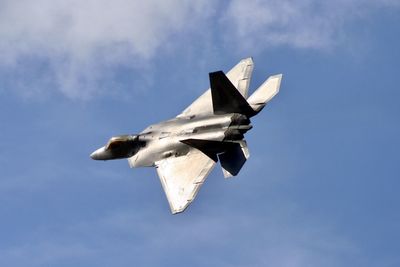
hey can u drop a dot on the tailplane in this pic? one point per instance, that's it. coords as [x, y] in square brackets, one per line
[233, 159]
[232, 155]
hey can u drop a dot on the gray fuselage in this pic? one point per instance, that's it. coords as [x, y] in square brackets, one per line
[164, 139]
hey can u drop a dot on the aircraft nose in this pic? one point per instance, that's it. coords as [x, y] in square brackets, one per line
[96, 155]
[93, 155]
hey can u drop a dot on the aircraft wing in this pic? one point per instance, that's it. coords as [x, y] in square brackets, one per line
[181, 177]
[239, 75]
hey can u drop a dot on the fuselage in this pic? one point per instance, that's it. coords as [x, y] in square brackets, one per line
[164, 139]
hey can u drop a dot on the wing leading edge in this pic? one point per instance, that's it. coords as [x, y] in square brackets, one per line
[182, 177]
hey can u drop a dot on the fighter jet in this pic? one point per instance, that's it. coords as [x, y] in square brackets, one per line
[186, 148]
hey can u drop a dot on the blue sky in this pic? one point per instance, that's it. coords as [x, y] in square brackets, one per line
[320, 187]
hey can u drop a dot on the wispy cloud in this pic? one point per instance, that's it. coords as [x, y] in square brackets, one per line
[306, 24]
[78, 46]
[79, 41]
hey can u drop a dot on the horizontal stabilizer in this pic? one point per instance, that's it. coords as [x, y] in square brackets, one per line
[210, 148]
[225, 97]
[265, 93]
[233, 159]
[232, 155]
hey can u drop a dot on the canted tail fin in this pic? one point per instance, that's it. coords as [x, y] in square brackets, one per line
[265, 93]
[226, 98]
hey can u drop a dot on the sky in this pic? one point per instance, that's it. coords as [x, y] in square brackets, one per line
[319, 189]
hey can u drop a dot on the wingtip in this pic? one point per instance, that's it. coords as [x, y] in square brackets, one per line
[277, 76]
[177, 211]
[179, 208]
[248, 60]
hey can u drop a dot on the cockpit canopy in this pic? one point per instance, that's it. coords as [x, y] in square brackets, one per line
[118, 147]
[116, 142]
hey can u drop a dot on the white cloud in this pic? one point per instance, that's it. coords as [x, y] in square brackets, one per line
[79, 40]
[76, 46]
[80, 28]
[300, 24]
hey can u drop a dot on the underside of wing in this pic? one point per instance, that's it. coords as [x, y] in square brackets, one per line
[239, 76]
[181, 177]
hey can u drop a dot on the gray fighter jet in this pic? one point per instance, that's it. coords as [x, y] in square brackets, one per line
[185, 149]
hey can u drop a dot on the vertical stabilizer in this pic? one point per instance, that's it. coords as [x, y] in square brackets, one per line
[225, 97]
[265, 93]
